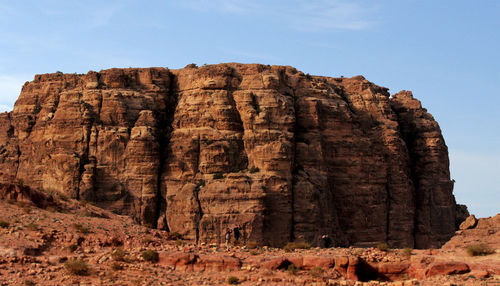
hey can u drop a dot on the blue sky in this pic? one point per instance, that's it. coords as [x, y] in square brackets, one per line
[446, 52]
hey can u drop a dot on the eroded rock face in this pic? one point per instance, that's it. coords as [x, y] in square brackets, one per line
[283, 155]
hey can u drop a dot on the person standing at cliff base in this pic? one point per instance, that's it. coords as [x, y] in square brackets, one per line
[326, 242]
[227, 236]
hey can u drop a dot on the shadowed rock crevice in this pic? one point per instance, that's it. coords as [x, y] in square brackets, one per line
[435, 204]
[165, 133]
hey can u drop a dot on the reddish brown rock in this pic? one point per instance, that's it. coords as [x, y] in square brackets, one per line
[274, 263]
[283, 155]
[469, 223]
[435, 212]
[486, 231]
[353, 268]
[213, 262]
[393, 270]
[310, 262]
[178, 261]
[447, 268]
[13, 191]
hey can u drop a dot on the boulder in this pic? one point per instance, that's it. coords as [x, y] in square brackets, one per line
[446, 268]
[469, 223]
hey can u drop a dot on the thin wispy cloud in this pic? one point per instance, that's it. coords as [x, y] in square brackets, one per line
[314, 15]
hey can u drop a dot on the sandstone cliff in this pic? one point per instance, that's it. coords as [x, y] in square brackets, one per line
[287, 156]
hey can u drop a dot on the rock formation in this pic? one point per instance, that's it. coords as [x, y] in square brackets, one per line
[284, 155]
[474, 231]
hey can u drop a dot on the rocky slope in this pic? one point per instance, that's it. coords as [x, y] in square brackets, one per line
[286, 156]
[38, 246]
[474, 231]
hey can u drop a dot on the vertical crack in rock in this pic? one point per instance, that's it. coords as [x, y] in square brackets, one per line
[89, 117]
[388, 212]
[294, 154]
[165, 129]
[196, 194]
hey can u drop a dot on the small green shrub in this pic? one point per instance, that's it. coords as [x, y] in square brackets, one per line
[77, 267]
[383, 246]
[150, 255]
[33, 226]
[292, 269]
[80, 228]
[72, 247]
[291, 246]
[118, 254]
[407, 251]
[479, 249]
[4, 224]
[175, 235]
[253, 170]
[147, 239]
[317, 272]
[232, 280]
[148, 225]
[27, 209]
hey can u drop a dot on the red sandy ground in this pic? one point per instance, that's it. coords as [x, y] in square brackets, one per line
[35, 245]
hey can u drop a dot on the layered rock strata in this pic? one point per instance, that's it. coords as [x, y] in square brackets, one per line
[284, 155]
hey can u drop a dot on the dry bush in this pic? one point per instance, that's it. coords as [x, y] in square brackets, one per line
[73, 247]
[383, 246]
[77, 267]
[147, 239]
[4, 224]
[317, 272]
[292, 269]
[118, 254]
[479, 249]
[291, 246]
[232, 280]
[80, 228]
[175, 236]
[33, 226]
[150, 255]
[407, 252]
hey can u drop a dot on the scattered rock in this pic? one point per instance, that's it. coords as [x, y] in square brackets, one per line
[469, 223]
